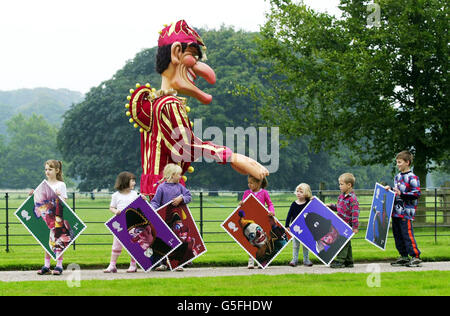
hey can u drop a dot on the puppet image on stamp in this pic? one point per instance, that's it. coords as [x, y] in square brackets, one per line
[143, 233]
[380, 216]
[50, 220]
[257, 231]
[181, 222]
[322, 231]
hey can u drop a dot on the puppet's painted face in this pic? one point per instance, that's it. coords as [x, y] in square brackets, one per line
[331, 237]
[142, 235]
[43, 209]
[46, 210]
[186, 73]
[255, 235]
[181, 231]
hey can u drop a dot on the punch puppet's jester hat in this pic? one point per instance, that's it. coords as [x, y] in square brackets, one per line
[135, 218]
[179, 32]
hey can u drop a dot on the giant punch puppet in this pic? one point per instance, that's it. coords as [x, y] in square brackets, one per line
[166, 132]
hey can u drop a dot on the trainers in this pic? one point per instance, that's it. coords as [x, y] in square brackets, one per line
[57, 271]
[414, 262]
[251, 263]
[400, 262]
[162, 267]
[293, 264]
[44, 270]
[337, 265]
[110, 270]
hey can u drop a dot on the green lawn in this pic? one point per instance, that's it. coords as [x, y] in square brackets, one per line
[432, 283]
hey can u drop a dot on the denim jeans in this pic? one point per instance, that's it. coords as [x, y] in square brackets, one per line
[295, 251]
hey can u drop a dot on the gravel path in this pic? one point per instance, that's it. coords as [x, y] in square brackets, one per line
[15, 276]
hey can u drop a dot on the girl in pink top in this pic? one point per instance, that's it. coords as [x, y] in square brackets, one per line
[257, 188]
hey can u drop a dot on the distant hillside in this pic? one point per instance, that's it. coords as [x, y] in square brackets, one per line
[50, 103]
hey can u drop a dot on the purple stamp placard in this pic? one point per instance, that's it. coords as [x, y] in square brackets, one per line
[143, 233]
[322, 231]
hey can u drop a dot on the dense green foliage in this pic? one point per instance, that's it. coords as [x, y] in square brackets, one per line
[377, 85]
[29, 120]
[32, 141]
[98, 141]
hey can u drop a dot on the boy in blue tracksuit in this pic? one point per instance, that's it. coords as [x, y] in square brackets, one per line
[407, 193]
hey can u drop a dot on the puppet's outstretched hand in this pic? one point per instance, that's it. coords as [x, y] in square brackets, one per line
[248, 166]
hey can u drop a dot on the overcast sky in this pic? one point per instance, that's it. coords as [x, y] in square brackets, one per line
[78, 44]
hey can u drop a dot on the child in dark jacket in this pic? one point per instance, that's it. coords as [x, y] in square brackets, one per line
[304, 194]
[407, 193]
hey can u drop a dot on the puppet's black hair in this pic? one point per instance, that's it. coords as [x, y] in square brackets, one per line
[163, 56]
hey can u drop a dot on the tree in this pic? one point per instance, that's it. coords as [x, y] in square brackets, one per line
[378, 88]
[32, 141]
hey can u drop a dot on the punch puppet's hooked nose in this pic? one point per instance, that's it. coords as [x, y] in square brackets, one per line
[199, 69]
[206, 72]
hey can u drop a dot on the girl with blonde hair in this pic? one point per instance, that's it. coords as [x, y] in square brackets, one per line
[171, 189]
[304, 195]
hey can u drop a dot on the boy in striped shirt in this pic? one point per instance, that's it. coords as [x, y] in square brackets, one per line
[347, 208]
[407, 193]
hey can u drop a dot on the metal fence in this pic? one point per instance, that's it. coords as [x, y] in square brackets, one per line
[210, 209]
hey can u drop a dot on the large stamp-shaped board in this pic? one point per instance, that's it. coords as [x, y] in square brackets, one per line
[143, 233]
[257, 231]
[180, 220]
[50, 220]
[322, 231]
[380, 216]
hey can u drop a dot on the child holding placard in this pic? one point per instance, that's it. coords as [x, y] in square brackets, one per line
[171, 190]
[407, 193]
[258, 189]
[347, 208]
[124, 196]
[51, 212]
[304, 194]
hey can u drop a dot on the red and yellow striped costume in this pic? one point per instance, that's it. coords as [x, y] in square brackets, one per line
[167, 137]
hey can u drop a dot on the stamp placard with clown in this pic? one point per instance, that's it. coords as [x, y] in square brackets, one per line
[257, 231]
[181, 222]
